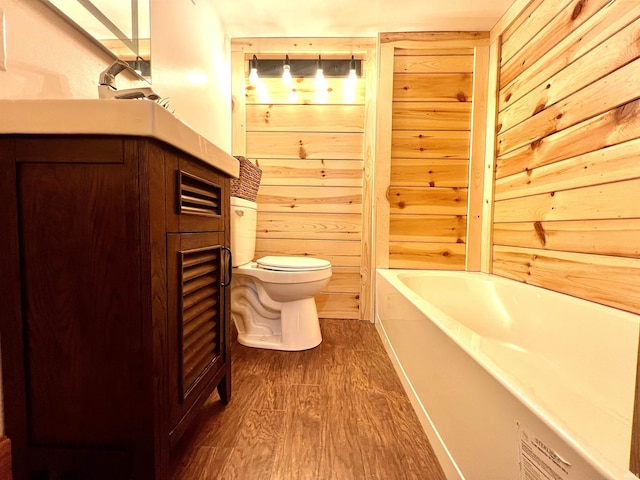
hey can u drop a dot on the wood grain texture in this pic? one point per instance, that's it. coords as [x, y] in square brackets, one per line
[612, 91]
[612, 281]
[478, 149]
[519, 23]
[273, 90]
[310, 199]
[573, 14]
[428, 200]
[340, 146]
[312, 173]
[428, 228]
[315, 225]
[610, 200]
[582, 40]
[607, 165]
[429, 173]
[433, 64]
[431, 116]
[368, 228]
[339, 305]
[304, 46]
[435, 50]
[337, 411]
[620, 238]
[305, 118]
[434, 144]
[5, 458]
[436, 87]
[431, 256]
[344, 280]
[382, 164]
[615, 126]
[567, 98]
[434, 39]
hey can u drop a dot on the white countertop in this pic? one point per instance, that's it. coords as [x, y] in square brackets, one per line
[141, 118]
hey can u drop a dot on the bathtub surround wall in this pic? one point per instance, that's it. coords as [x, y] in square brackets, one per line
[314, 149]
[567, 188]
[429, 164]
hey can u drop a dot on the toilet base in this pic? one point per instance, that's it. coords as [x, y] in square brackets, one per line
[300, 329]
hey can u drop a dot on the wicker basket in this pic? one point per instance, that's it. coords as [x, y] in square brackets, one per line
[246, 186]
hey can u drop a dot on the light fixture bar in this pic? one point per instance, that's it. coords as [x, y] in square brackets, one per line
[308, 67]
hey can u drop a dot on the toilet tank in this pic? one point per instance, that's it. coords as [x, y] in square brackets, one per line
[243, 230]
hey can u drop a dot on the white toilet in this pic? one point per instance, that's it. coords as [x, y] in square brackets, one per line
[272, 300]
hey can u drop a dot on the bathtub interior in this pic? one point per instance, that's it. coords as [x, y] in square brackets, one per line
[553, 352]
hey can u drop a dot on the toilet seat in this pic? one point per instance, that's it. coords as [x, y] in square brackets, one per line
[292, 264]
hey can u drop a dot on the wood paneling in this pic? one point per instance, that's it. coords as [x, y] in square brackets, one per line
[430, 256]
[431, 116]
[573, 13]
[600, 237]
[582, 40]
[610, 200]
[612, 164]
[612, 281]
[340, 146]
[611, 91]
[317, 173]
[435, 40]
[434, 144]
[308, 118]
[429, 229]
[274, 91]
[436, 87]
[338, 305]
[433, 64]
[426, 186]
[315, 154]
[429, 173]
[327, 226]
[310, 199]
[615, 126]
[428, 200]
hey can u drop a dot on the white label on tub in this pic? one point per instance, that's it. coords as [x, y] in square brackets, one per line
[538, 461]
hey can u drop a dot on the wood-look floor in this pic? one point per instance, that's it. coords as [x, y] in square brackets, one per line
[337, 411]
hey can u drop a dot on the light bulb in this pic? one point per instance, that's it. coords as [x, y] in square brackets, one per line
[286, 75]
[253, 76]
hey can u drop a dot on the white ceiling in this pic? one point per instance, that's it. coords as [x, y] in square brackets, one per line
[354, 18]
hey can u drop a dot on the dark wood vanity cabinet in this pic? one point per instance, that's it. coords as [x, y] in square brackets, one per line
[114, 313]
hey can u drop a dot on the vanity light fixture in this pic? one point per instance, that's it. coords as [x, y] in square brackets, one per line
[286, 72]
[253, 75]
[319, 81]
[352, 69]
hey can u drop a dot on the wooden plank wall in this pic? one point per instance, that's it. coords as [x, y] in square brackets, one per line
[311, 152]
[567, 188]
[427, 189]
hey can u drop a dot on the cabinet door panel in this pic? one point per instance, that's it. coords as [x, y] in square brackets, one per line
[196, 318]
[195, 196]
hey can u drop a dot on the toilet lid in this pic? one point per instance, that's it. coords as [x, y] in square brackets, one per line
[292, 264]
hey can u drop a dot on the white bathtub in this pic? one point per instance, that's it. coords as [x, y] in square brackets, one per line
[509, 380]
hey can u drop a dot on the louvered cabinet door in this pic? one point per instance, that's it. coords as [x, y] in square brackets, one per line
[196, 197]
[196, 323]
